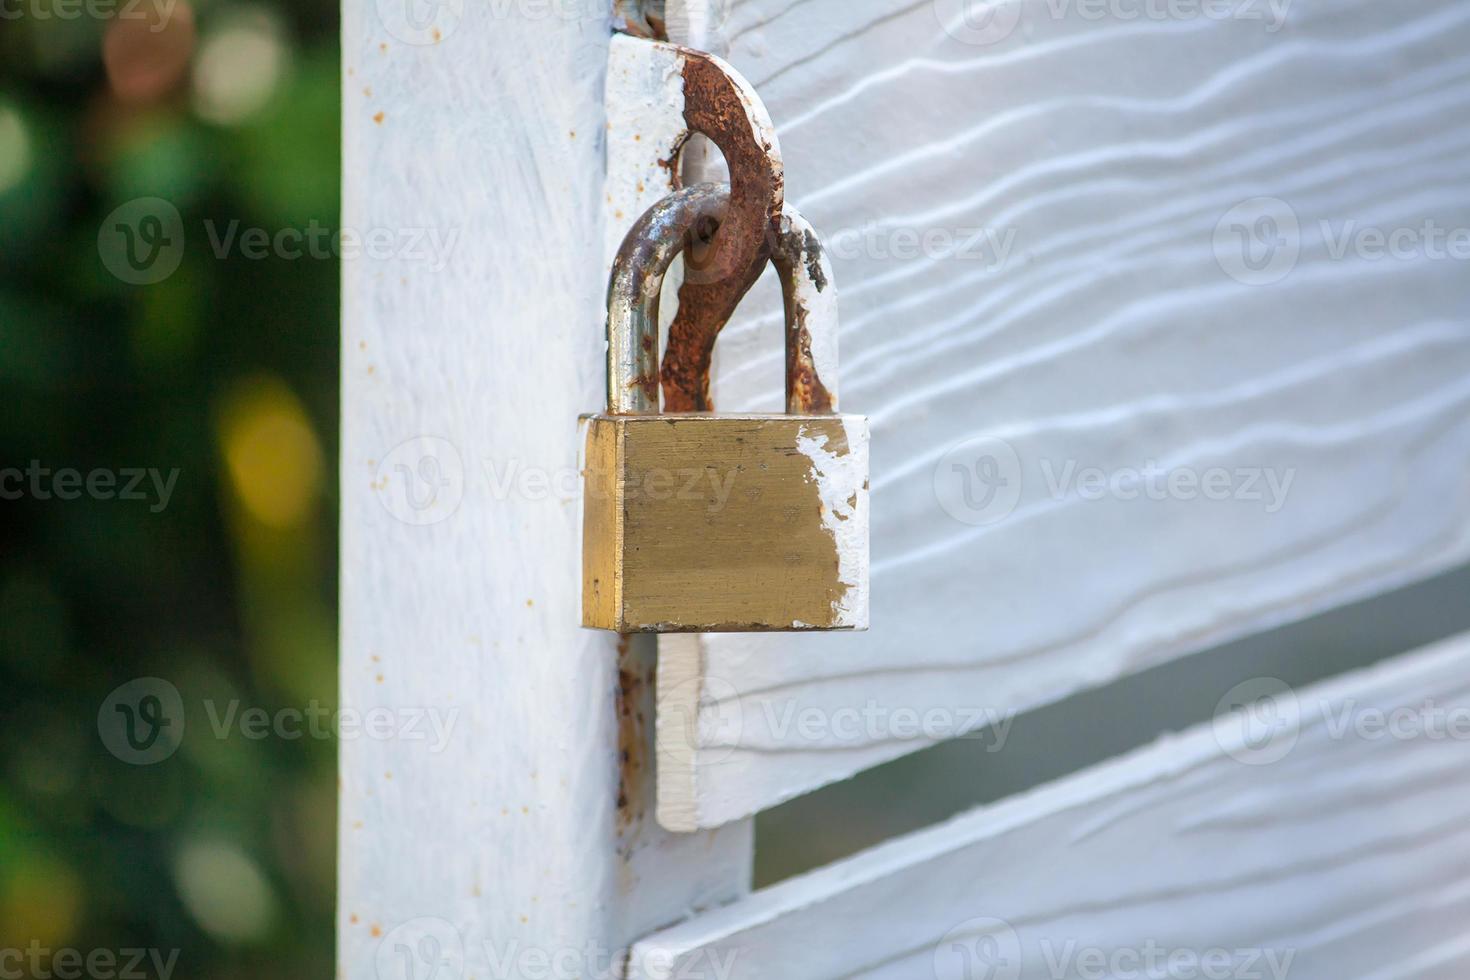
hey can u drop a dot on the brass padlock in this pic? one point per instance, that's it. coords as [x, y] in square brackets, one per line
[704, 522]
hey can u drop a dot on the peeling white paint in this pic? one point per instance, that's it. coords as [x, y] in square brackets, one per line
[842, 485]
[820, 303]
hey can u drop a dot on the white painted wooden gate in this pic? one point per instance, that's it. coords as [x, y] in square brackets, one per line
[1160, 312]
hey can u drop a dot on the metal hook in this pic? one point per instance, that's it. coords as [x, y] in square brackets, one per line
[722, 105]
[636, 283]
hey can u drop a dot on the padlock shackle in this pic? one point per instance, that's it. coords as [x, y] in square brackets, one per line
[633, 293]
[809, 294]
[807, 288]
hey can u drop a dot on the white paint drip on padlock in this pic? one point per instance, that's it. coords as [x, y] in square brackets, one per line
[842, 487]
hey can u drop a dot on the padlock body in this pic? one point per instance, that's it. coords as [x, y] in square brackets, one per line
[716, 523]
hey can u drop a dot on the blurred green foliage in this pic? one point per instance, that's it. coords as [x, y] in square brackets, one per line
[226, 371]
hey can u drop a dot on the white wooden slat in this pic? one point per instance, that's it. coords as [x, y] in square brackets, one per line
[527, 837]
[1326, 833]
[1109, 159]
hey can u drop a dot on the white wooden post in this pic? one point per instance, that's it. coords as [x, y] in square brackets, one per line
[520, 831]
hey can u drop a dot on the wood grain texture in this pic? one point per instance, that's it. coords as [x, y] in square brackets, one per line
[1324, 834]
[529, 837]
[1061, 283]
